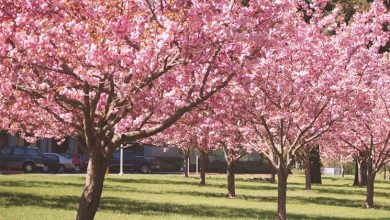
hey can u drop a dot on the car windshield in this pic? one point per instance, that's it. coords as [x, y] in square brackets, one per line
[67, 156]
[52, 156]
[48, 157]
[32, 152]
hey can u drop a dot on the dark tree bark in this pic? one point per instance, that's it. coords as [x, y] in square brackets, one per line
[203, 165]
[360, 173]
[232, 155]
[384, 171]
[90, 197]
[307, 166]
[342, 170]
[312, 166]
[370, 192]
[370, 185]
[315, 165]
[186, 162]
[231, 179]
[282, 189]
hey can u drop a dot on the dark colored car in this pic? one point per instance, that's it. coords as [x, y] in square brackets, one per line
[76, 160]
[84, 159]
[27, 159]
[131, 162]
[50, 164]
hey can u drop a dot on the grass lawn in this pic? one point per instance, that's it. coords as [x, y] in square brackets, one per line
[136, 196]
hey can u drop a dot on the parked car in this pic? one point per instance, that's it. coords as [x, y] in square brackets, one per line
[65, 164]
[76, 160]
[27, 159]
[50, 164]
[131, 162]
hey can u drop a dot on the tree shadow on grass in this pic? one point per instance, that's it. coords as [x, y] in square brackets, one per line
[30, 183]
[349, 191]
[26, 199]
[259, 198]
[135, 206]
[320, 200]
[151, 181]
[335, 189]
[192, 183]
[132, 206]
[320, 189]
[314, 184]
[345, 189]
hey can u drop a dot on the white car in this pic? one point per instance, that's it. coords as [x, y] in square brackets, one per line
[65, 163]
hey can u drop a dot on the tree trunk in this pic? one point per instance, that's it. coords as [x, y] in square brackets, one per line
[90, 197]
[186, 163]
[282, 189]
[384, 172]
[342, 170]
[307, 165]
[363, 174]
[370, 185]
[360, 173]
[356, 179]
[315, 165]
[231, 180]
[203, 165]
[370, 193]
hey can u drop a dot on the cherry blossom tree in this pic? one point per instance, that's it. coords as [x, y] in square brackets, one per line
[289, 111]
[179, 136]
[115, 71]
[367, 130]
[330, 151]
[364, 129]
[209, 129]
[302, 82]
[192, 130]
[292, 98]
[225, 131]
[233, 148]
[205, 148]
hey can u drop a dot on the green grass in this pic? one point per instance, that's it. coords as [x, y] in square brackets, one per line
[174, 197]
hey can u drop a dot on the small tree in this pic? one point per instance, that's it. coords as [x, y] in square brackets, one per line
[232, 155]
[367, 132]
[227, 135]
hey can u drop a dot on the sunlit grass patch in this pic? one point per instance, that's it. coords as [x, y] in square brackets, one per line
[157, 196]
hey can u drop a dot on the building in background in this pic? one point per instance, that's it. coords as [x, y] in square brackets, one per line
[171, 158]
[45, 145]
